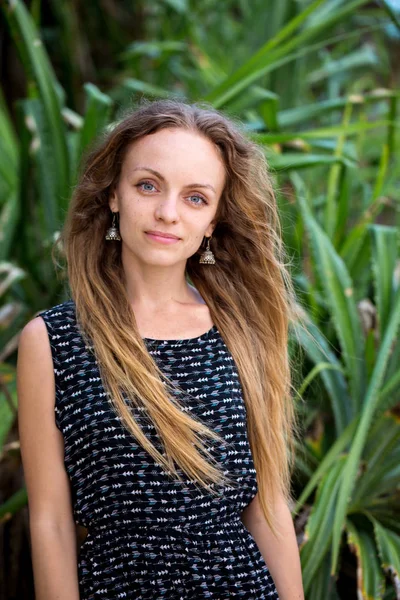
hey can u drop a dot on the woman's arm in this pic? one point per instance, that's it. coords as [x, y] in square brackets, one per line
[281, 556]
[51, 523]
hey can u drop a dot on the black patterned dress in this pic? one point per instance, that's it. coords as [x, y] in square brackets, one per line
[150, 537]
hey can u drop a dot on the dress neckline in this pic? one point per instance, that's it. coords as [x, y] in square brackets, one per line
[198, 338]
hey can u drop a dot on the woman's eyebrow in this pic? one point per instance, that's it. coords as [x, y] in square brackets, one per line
[202, 185]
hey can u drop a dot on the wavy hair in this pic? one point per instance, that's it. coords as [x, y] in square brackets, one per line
[248, 292]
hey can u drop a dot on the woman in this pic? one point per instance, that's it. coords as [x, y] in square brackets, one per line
[154, 404]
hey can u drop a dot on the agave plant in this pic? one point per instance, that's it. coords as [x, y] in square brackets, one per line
[357, 478]
[333, 162]
[13, 526]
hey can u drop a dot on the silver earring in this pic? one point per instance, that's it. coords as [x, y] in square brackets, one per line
[113, 231]
[207, 257]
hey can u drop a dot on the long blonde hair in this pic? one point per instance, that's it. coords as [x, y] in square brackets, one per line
[248, 291]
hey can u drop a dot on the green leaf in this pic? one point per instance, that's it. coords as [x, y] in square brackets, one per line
[47, 201]
[135, 85]
[383, 441]
[8, 141]
[270, 55]
[327, 463]
[257, 97]
[306, 113]
[389, 551]
[370, 579]
[333, 187]
[154, 48]
[8, 401]
[355, 240]
[318, 349]
[14, 504]
[180, 6]
[323, 584]
[391, 12]
[9, 216]
[251, 69]
[35, 60]
[339, 293]
[293, 160]
[320, 133]
[318, 530]
[370, 404]
[97, 115]
[389, 393]
[365, 56]
[384, 260]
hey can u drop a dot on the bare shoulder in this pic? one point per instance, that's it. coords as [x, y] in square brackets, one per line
[34, 352]
[34, 334]
[42, 444]
[35, 368]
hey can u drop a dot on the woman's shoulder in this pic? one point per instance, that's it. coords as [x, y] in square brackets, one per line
[33, 337]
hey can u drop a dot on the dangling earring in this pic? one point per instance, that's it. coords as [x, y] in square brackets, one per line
[113, 231]
[207, 257]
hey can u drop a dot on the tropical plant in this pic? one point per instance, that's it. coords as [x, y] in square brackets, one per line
[329, 129]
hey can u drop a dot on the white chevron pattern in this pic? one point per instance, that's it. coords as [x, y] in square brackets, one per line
[150, 538]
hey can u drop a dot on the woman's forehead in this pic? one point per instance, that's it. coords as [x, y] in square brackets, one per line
[173, 154]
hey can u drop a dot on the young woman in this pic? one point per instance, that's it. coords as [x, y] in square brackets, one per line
[154, 404]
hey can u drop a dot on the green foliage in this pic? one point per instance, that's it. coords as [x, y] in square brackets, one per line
[295, 74]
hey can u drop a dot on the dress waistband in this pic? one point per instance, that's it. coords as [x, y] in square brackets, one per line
[214, 522]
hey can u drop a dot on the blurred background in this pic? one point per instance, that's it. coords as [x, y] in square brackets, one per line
[317, 84]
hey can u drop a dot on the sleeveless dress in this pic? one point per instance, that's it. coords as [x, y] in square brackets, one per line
[150, 537]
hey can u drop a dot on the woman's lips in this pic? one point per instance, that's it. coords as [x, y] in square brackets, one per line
[162, 239]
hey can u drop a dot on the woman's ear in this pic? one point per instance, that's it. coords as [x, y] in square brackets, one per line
[113, 201]
[210, 229]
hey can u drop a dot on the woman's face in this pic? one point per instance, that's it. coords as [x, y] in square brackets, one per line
[170, 182]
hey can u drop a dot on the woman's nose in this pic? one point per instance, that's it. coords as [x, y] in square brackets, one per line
[167, 208]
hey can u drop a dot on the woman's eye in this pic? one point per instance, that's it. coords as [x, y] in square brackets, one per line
[203, 200]
[145, 183]
[141, 184]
